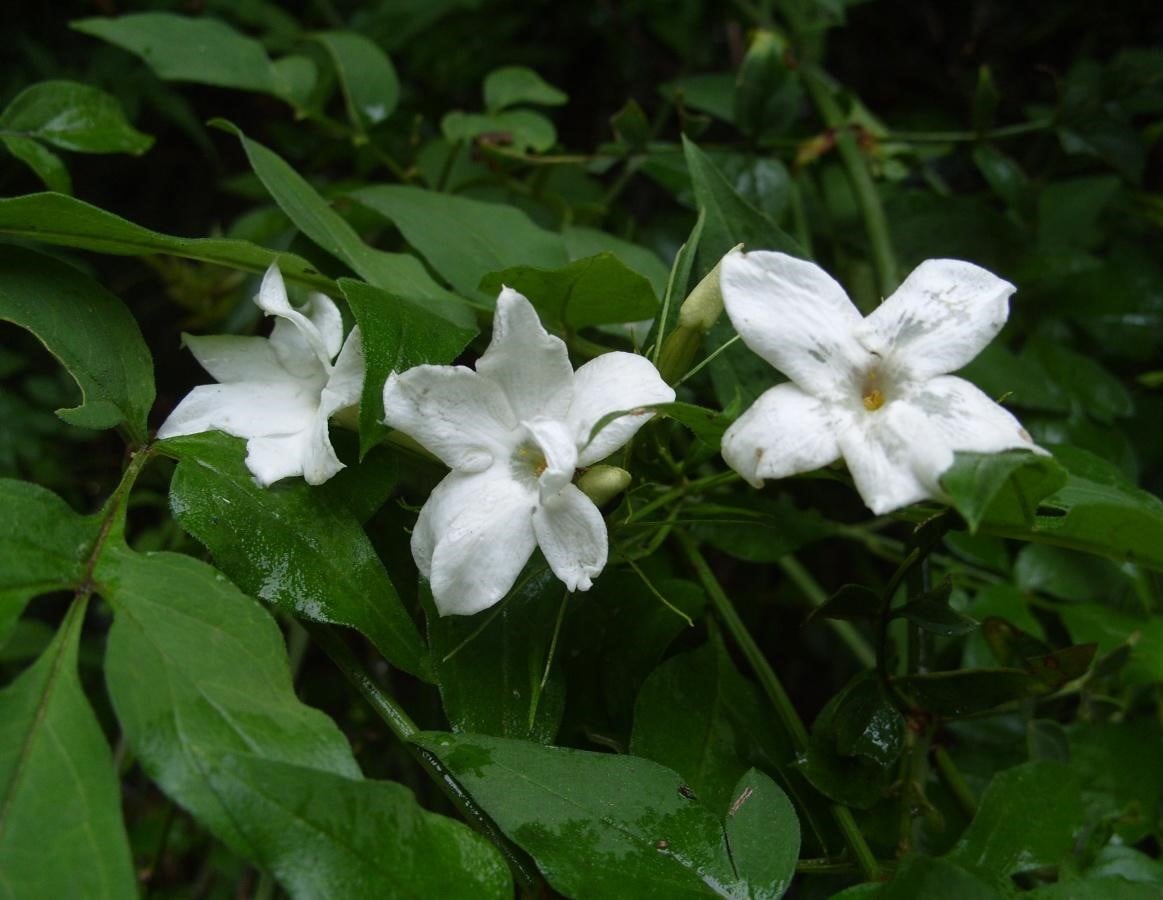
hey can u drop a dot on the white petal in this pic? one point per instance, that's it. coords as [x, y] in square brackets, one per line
[344, 387]
[297, 339]
[967, 419]
[785, 432]
[276, 457]
[939, 319]
[895, 456]
[795, 315]
[458, 415]
[610, 383]
[572, 535]
[557, 445]
[473, 537]
[319, 461]
[531, 366]
[244, 410]
[229, 357]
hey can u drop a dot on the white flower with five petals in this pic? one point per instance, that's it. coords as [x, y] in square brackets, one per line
[278, 393]
[872, 390]
[514, 432]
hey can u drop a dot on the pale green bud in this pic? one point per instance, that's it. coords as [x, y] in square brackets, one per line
[703, 306]
[603, 483]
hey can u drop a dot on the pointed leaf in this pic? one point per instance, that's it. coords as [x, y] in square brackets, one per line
[763, 835]
[74, 117]
[516, 85]
[371, 89]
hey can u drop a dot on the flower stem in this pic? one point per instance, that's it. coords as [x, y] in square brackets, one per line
[774, 689]
[953, 779]
[816, 595]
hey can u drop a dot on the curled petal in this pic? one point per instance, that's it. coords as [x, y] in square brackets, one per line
[572, 535]
[610, 383]
[785, 432]
[795, 316]
[472, 539]
[345, 385]
[300, 338]
[939, 319]
[244, 410]
[968, 420]
[530, 365]
[458, 415]
[280, 456]
[232, 358]
[556, 444]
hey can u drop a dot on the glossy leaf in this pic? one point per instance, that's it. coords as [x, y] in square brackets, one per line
[1111, 628]
[605, 825]
[56, 219]
[397, 335]
[1027, 819]
[763, 835]
[291, 545]
[595, 291]
[324, 835]
[934, 614]
[464, 239]
[60, 803]
[516, 85]
[73, 116]
[48, 167]
[967, 691]
[371, 89]
[89, 331]
[1001, 486]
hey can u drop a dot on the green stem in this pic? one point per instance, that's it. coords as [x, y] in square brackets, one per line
[817, 596]
[677, 493]
[946, 137]
[875, 221]
[953, 779]
[779, 698]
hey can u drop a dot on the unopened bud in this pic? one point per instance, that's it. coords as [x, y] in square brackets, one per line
[603, 483]
[678, 352]
[703, 306]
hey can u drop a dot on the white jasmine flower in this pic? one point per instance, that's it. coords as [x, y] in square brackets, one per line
[278, 393]
[871, 390]
[514, 432]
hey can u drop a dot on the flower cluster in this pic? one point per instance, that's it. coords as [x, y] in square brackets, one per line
[519, 427]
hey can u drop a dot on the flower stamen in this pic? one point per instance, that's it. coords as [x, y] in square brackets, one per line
[872, 396]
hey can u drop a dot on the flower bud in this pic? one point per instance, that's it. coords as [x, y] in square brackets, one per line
[603, 483]
[678, 352]
[703, 306]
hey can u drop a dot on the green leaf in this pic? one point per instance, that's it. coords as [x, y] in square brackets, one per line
[596, 291]
[601, 825]
[182, 48]
[56, 219]
[1002, 487]
[768, 93]
[197, 670]
[581, 242]
[324, 835]
[1117, 764]
[43, 543]
[730, 220]
[515, 85]
[60, 802]
[1073, 576]
[397, 335]
[763, 835]
[48, 167]
[868, 724]
[367, 77]
[291, 545]
[926, 876]
[851, 601]
[74, 117]
[1111, 628]
[518, 129]
[933, 613]
[402, 275]
[697, 715]
[89, 331]
[490, 667]
[1026, 820]
[464, 239]
[964, 692]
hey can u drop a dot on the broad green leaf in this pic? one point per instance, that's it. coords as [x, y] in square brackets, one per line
[768, 93]
[515, 85]
[397, 335]
[1001, 486]
[1088, 384]
[1111, 628]
[61, 832]
[402, 275]
[57, 219]
[73, 116]
[48, 167]
[867, 723]
[926, 876]
[517, 129]
[713, 94]
[601, 825]
[1078, 577]
[596, 291]
[1101, 888]
[1117, 764]
[851, 601]
[461, 238]
[581, 242]
[43, 543]
[966, 691]
[367, 77]
[197, 670]
[324, 835]
[1027, 819]
[731, 220]
[697, 715]
[182, 48]
[764, 836]
[489, 667]
[89, 330]
[291, 545]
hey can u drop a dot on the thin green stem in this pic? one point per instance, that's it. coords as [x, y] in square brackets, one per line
[817, 596]
[774, 689]
[677, 493]
[947, 137]
[953, 779]
[708, 360]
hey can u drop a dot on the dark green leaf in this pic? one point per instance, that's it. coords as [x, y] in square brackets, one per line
[1118, 766]
[985, 100]
[60, 803]
[933, 613]
[631, 126]
[1111, 628]
[324, 835]
[768, 93]
[74, 117]
[926, 876]
[763, 835]
[851, 601]
[48, 167]
[1074, 576]
[755, 527]
[516, 85]
[597, 824]
[518, 129]
[594, 291]
[1004, 175]
[1010, 645]
[713, 94]
[89, 330]
[867, 724]
[1087, 383]
[1004, 487]
[290, 545]
[1057, 669]
[371, 89]
[1027, 820]
[967, 691]
[397, 335]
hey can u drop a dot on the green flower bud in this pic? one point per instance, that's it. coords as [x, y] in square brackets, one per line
[703, 306]
[603, 483]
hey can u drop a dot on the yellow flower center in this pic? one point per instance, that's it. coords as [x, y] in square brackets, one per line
[531, 456]
[871, 395]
